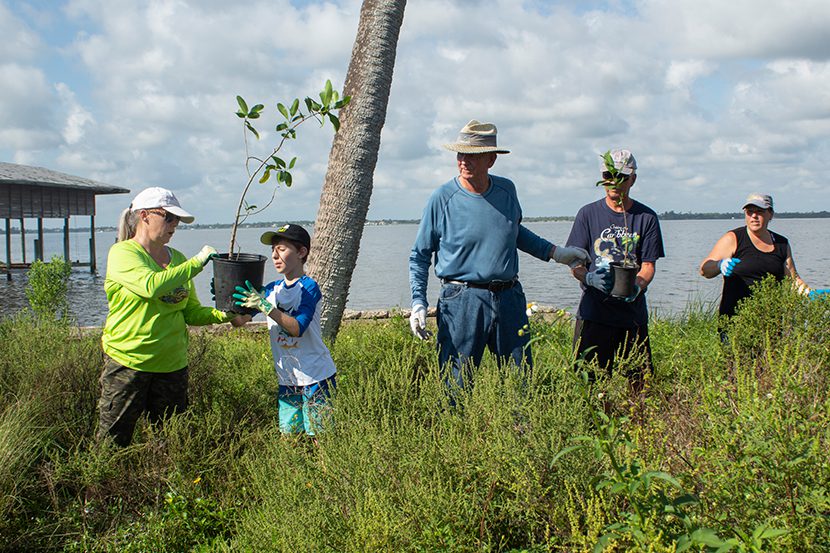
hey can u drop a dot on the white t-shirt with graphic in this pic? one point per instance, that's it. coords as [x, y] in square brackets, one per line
[304, 359]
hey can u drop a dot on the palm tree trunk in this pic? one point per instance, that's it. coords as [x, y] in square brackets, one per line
[347, 189]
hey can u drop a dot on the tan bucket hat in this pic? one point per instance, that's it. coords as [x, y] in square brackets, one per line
[476, 138]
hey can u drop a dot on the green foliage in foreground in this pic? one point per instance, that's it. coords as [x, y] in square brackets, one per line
[727, 451]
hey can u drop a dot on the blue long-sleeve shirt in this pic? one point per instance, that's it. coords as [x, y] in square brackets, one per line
[472, 237]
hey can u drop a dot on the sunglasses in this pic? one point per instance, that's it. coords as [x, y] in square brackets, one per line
[606, 175]
[168, 217]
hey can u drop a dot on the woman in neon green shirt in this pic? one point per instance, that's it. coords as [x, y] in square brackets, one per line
[151, 301]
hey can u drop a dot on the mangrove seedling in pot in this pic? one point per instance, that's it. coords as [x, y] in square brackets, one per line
[234, 268]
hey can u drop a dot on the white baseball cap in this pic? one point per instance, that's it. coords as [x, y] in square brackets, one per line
[155, 196]
[624, 161]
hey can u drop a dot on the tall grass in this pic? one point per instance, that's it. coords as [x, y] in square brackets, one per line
[741, 428]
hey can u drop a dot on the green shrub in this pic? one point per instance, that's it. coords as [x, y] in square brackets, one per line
[47, 287]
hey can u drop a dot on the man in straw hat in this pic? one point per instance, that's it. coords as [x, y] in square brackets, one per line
[472, 225]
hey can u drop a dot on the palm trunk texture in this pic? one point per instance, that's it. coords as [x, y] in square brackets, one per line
[344, 201]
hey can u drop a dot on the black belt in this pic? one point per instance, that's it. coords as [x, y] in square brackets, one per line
[493, 285]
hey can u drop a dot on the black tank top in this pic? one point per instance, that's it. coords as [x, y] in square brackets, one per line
[754, 266]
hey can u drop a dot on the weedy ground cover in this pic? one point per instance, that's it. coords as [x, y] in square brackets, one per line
[727, 450]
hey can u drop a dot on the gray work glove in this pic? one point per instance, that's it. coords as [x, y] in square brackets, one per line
[599, 279]
[570, 256]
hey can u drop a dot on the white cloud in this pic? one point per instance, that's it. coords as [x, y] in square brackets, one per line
[19, 42]
[702, 93]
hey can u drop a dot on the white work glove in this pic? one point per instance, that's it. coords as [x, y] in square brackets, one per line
[205, 254]
[570, 256]
[418, 322]
[599, 279]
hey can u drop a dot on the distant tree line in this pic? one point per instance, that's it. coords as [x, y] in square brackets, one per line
[666, 216]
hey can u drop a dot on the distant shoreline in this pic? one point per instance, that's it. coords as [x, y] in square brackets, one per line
[666, 216]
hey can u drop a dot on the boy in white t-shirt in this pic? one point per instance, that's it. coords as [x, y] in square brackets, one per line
[304, 366]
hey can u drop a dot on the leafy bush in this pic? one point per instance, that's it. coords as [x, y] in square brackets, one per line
[47, 286]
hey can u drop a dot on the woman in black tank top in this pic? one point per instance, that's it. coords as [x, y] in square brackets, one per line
[747, 254]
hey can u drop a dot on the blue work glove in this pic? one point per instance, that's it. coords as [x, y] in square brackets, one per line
[252, 299]
[726, 266]
[600, 279]
[633, 296]
[817, 293]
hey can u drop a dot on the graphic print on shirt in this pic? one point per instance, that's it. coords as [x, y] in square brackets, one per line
[179, 294]
[607, 245]
[284, 339]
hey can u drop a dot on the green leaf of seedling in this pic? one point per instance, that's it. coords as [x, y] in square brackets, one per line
[265, 176]
[295, 105]
[278, 161]
[334, 121]
[252, 129]
[292, 162]
[283, 111]
[281, 127]
[255, 111]
[241, 114]
[325, 95]
[309, 104]
[243, 107]
[288, 179]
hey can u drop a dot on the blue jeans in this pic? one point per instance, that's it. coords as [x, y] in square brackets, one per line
[470, 319]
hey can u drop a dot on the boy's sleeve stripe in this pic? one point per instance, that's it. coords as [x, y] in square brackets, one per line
[309, 298]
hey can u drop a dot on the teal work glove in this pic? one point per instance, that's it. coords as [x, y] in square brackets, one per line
[205, 255]
[633, 296]
[726, 266]
[819, 292]
[252, 299]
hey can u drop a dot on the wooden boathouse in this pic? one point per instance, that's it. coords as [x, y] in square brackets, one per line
[38, 193]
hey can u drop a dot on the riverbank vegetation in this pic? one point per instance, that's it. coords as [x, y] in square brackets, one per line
[726, 451]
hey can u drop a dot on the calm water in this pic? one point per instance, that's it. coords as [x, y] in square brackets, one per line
[381, 277]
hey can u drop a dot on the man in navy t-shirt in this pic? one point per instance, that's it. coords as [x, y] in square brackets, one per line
[608, 326]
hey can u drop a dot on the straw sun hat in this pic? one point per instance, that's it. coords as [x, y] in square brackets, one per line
[476, 138]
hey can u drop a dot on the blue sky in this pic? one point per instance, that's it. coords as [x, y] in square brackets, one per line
[715, 99]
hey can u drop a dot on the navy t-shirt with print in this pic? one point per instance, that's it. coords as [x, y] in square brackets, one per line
[599, 229]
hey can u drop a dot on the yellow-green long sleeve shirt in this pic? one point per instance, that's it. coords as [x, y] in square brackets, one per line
[150, 307]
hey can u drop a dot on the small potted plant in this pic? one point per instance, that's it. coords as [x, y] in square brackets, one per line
[624, 270]
[234, 268]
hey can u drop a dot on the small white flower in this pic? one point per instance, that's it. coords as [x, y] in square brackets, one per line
[600, 395]
[769, 395]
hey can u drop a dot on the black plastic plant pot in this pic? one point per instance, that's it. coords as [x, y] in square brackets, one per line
[624, 277]
[233, 272]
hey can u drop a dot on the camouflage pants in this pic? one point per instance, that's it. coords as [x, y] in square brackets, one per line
[126, 393]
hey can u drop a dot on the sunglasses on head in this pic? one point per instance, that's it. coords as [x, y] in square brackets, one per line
[168, 217]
